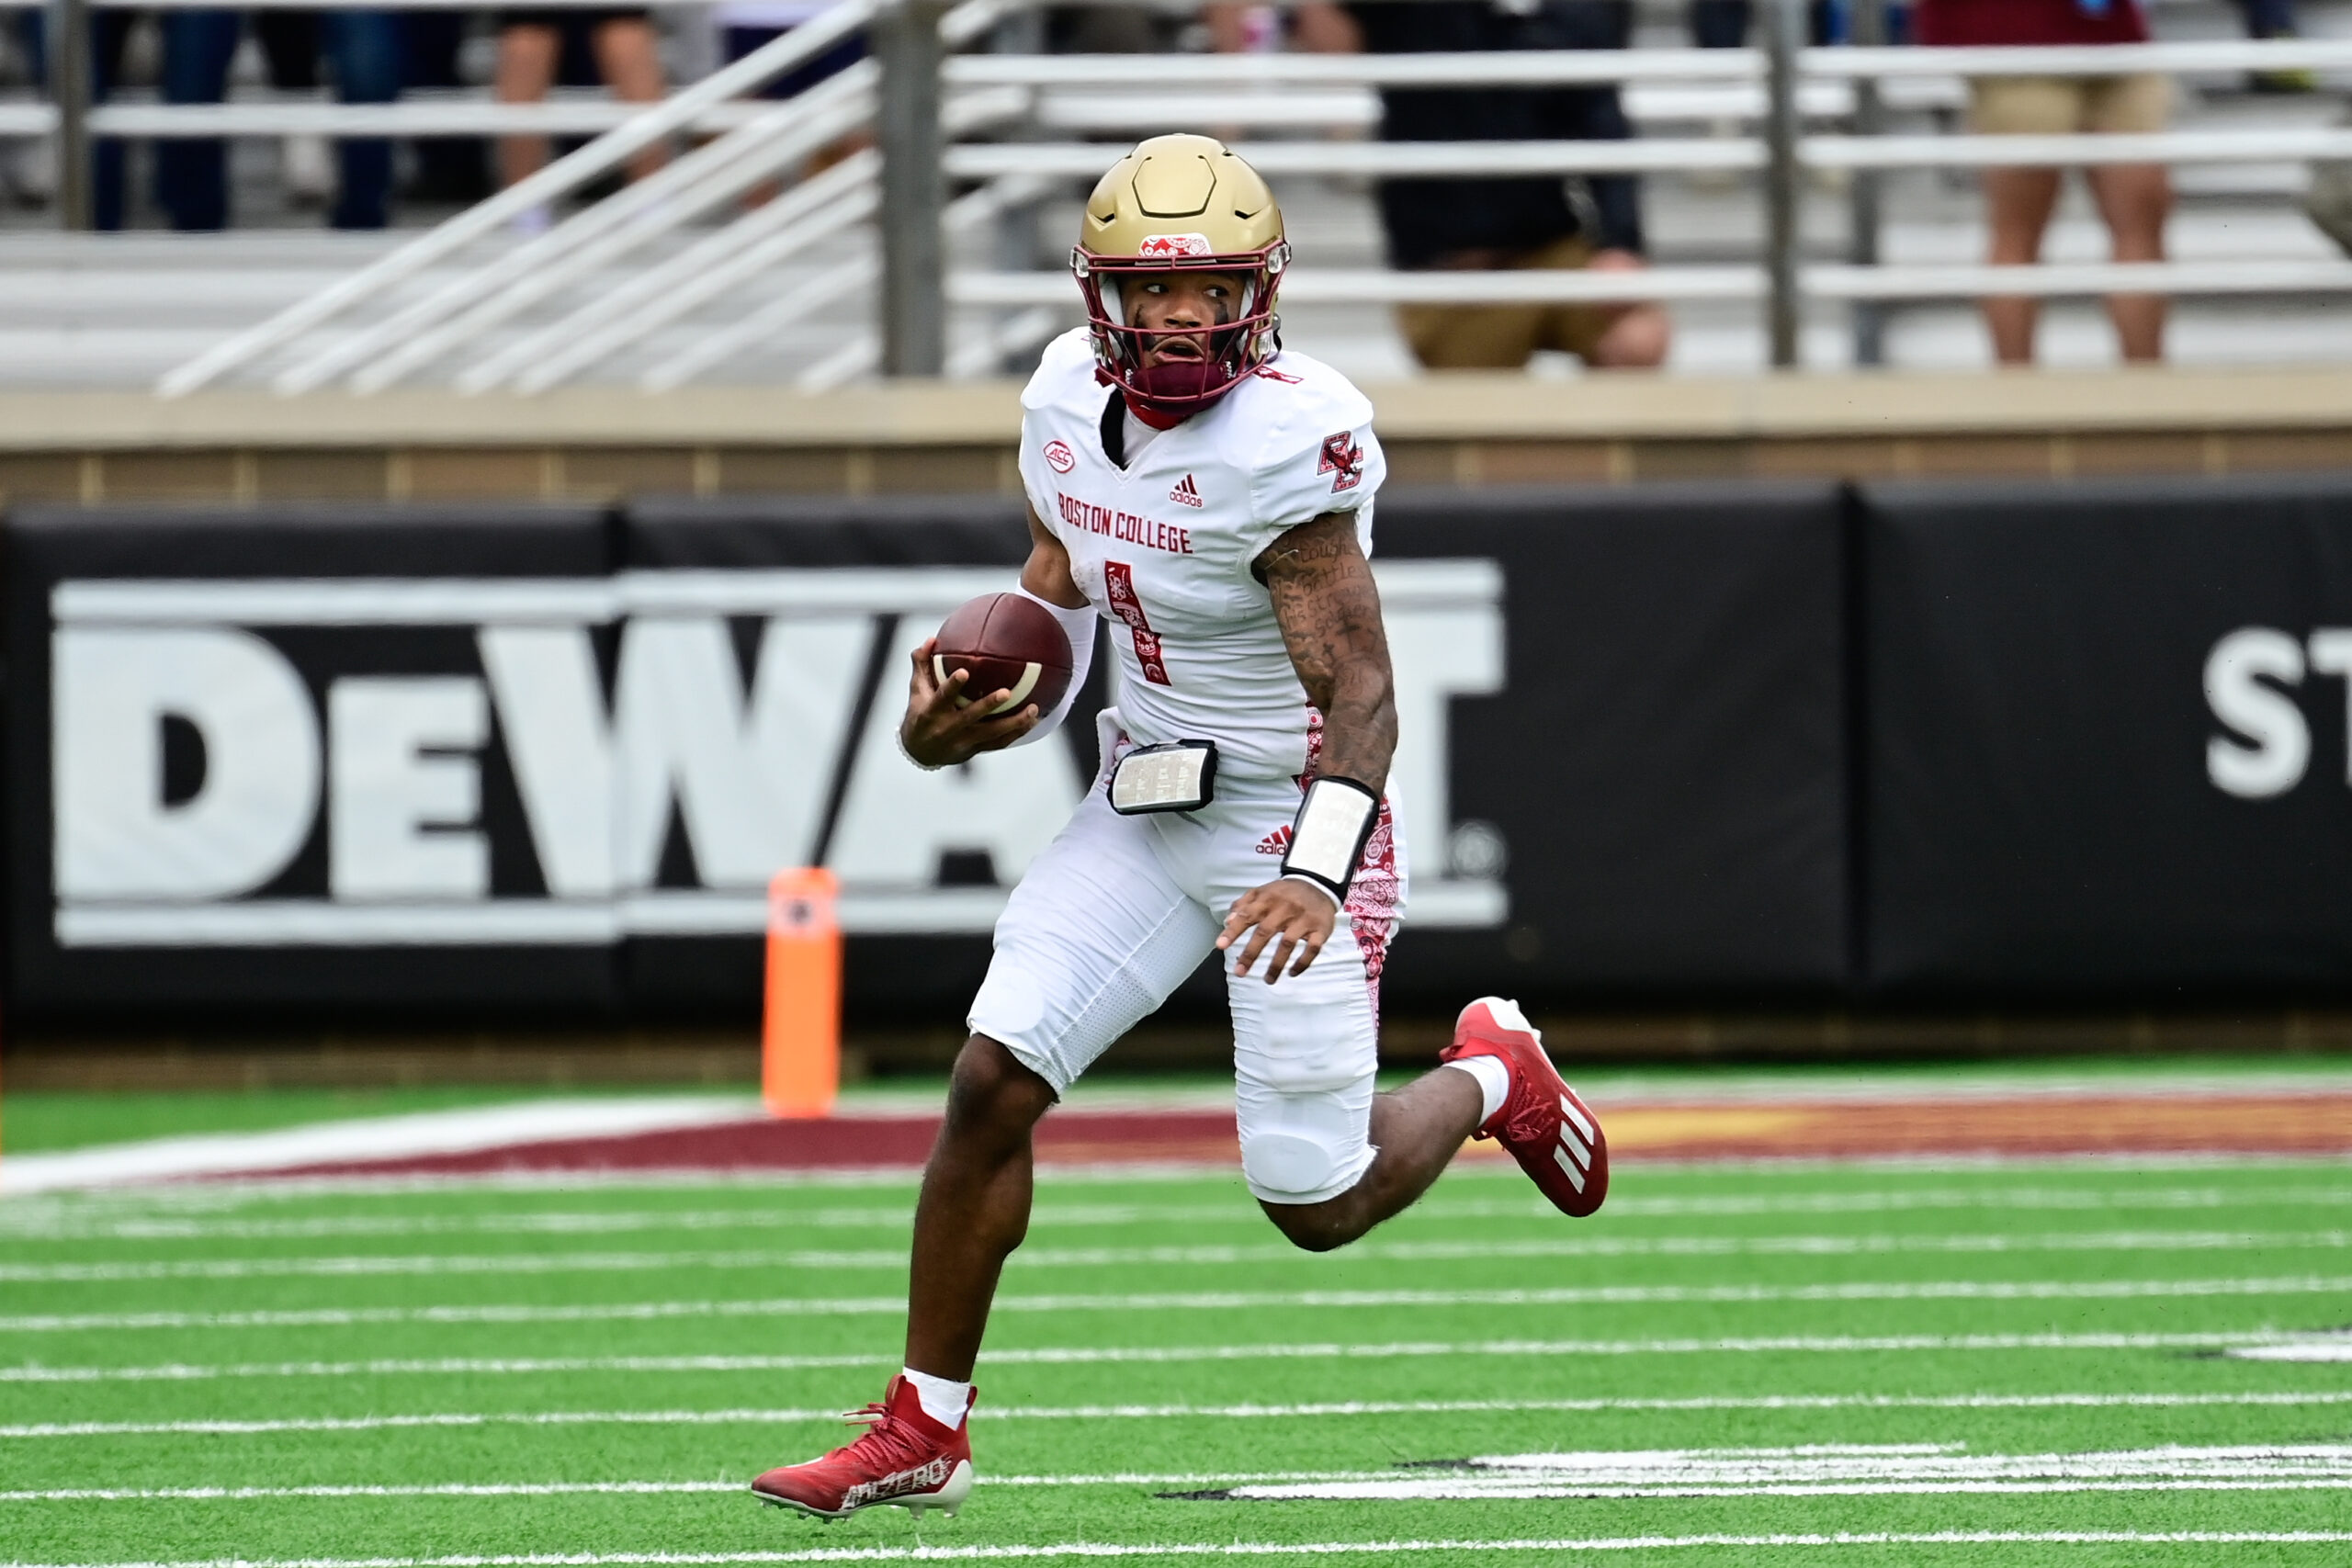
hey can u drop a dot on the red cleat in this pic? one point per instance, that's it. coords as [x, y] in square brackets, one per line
[1554, 1135]
[905, 1458]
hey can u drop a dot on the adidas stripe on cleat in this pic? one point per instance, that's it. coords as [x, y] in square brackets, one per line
[905, 1460]
[1554, 1135]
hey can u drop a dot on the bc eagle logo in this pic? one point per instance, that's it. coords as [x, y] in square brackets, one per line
[1342, 456]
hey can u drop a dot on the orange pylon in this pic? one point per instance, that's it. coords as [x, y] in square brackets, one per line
[800, 1038]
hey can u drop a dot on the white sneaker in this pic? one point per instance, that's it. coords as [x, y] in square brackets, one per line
[308, 165]
[32, 173]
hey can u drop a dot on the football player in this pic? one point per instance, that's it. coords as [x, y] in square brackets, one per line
[1209, 492]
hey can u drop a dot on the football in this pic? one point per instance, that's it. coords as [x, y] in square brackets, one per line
[1009, 644]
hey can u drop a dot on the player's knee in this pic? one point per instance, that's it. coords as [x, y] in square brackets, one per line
[1279, 1162]
[1312, 1228]
[992, 1092]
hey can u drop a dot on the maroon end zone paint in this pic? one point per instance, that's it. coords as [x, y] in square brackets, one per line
[2022, 1127]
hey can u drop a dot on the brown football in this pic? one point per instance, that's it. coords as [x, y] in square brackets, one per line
[1009, 644]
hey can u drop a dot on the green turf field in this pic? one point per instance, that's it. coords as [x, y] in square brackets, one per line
[43, 1122]
[48, 1121]
[1737, 1355]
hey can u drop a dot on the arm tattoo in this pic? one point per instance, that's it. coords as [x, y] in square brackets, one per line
[1328, 609]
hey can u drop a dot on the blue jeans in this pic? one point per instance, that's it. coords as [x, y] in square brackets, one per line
[192, 174]
[1723, 24]
[368, 52]
[2269, 18]
[108, 32]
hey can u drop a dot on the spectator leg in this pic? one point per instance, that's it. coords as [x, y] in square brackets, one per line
[2269, 18]
[2018, 203]
[1227, 25]
[369, 67]
[109, 157]
[2135, 200]
[2275, 18]
[1318, 26]
[290, 43]
[628, 55]
[1639, 335]
[109, 160]
[289, 46]
[448, 168]
[1719, 24]
[527, 56]
[109, 32]
[192, 175]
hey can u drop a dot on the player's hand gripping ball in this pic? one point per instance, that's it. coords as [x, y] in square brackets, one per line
[997, 666]
[1006, 643]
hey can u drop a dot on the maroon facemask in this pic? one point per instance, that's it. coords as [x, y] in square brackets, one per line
[1235, 348]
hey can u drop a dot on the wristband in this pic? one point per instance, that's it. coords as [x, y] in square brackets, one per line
[1079, 627]
[1327, 837]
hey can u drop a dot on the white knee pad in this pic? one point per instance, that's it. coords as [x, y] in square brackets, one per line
[1305, 1052]
[1306, 1148]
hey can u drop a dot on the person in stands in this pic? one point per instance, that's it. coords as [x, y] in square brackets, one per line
[1490, 223]
[198, 47]
[2134, 199]
[532, 44]
[2275, 18]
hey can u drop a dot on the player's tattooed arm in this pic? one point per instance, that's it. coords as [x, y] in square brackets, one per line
[1328, 609]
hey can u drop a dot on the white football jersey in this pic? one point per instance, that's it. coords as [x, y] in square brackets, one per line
[1163, 548]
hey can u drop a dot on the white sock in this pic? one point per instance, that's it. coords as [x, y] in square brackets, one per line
[1494, 1082]
[943, 1400]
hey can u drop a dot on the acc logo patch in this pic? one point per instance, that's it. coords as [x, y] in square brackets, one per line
[1059, 457]
[1342, 456]
[1175, 245]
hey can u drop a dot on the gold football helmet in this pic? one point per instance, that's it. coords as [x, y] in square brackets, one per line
[1181, 203]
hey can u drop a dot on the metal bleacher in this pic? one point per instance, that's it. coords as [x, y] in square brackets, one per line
[121, 310]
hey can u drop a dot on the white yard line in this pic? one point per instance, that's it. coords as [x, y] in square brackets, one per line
[1266, 1548]
[2335, 1348]
[2270, 1345]
[229, 1191]
[1824, 1469]
[1848, 1469]
[1215, 1300]
[366, 1138]
[53, 1430]
[626, 1488]
[59, 1225]
[892, 1259]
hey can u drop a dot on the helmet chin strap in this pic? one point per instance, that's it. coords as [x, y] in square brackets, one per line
[1176, 380]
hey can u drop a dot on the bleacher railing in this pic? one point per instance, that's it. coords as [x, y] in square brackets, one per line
[1023, 99]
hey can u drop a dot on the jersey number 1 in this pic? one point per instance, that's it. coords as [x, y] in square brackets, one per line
[1119, 587]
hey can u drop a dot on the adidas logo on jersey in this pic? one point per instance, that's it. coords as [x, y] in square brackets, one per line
[1276, 842]
[1186, 493]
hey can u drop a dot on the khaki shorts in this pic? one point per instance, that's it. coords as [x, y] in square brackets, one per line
[2066, 106]
[1503, 337]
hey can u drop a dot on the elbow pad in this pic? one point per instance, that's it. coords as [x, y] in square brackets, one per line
[1079, 627]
